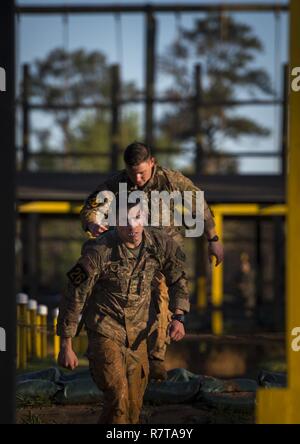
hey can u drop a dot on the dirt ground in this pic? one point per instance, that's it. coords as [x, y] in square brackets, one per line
[228, 360]
[163, 414]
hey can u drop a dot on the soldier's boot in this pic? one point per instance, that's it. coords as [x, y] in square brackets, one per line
[159, 338]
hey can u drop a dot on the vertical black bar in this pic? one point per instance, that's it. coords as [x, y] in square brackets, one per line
[278, 273]
[259, 273]
[30, 224]
[115, 117]
[7, 172]
[200, 263]
[150, 76]
[284, 120]
[33, 259]
[25, 253]
[25, 108]
[200, 259]
[197, 123]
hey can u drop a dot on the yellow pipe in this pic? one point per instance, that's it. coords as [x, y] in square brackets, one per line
[18, 335]
[217, 283]
[38, 337]
[44, 337]
[249, 209]
[43, 312]
[22, 300]
[32, 331]
[28, 334]
[56, 339]
[49, 207]
[217, 272]
[226, 209]
[201, 292]
[217, 322]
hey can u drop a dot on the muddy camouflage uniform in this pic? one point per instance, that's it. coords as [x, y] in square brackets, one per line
[162, 179]
[118, 315]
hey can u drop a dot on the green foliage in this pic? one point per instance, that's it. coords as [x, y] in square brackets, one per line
[31, 418]
[78, 77]
[226, 50]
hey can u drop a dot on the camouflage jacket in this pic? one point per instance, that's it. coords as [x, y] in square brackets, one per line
[118, 287]
[162, 179]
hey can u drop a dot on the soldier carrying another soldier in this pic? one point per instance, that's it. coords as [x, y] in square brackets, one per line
[142, 172]
[112, 279]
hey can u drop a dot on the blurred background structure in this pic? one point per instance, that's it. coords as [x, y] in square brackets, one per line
[205, 84]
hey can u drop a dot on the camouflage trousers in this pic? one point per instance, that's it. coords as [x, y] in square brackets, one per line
[122, 375]
[158, 338]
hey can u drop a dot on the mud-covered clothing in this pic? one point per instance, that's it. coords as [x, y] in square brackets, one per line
[162, 179]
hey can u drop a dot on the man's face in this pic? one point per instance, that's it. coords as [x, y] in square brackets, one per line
[133, 231]
[141, 173]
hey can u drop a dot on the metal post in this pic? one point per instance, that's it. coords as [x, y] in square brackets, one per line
[115, 117]
[258, 273]
[25, 107]
[30, 253]
[7, 168]
[282, 406]
[200, 273]
[217, 284]
[56, 339]
[278, 273]
[32, 311]
[197, 114]
[200, 261]
[150, 76]
[284, 120]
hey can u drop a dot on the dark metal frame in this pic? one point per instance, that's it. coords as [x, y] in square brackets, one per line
[149, 98]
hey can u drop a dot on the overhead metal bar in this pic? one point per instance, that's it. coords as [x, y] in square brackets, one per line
[103, 105]
[161, 8]
[158, 150]
[150, 41]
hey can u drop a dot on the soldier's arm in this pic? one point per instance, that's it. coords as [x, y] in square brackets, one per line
[183, 183]
[81, 279]
[214, 248]
[174, 272]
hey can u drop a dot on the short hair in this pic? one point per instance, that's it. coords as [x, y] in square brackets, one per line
[136, 153]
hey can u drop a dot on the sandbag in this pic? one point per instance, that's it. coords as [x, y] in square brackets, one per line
[49, 374]
[182, 386]
[272, 379]
[215, 385]
[80, 391]
[36, 391]
[170, 392]
[236, 401]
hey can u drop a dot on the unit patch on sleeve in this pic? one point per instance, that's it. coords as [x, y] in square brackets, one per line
[77, 275]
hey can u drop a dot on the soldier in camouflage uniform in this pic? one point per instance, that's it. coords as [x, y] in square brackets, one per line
[143, 173]
[115, 272]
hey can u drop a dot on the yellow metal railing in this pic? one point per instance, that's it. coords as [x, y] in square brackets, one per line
[282, 406]
[36, 338]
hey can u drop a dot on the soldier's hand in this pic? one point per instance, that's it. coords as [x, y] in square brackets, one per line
[67, 358]
[216, 249]
[176, 330]
[96, 229]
